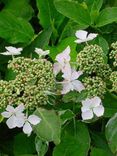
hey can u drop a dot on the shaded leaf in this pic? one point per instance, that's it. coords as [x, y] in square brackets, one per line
[75, 141]
[107, 16]
[49, 128]
[15, 30]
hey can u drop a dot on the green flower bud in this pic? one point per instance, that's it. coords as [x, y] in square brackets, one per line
[33, 79]
[113, 79]
[95, 86]
[90, 59]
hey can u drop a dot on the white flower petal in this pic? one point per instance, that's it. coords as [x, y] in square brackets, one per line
[6, 114]
[11, 122]
[91, 36]
[98, 111]
[27, 129]
[87, 115]
[20, 121]
[80, 41]
[41, 52]
[56, 68]
[66, 70]
[81, 34]
[85, 108]
[6, 53]
[76, 74]
[63, 57]
[78, 86]
[10, 108]
[96, 101]
[87, 102]
[20, 108]
[34, 120]
[66, 88]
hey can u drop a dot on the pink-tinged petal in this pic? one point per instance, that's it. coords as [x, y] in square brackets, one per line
[78, 86]
[66, 88]
[20, 108]
[87, 102]
[27, 129]
[96, 101]
[56, 68]
[87, 115]
[85, 107]
[98, 111]
[76, 74]
[20, 121]
[91, 36]
[81, 34]
[64, 56]
[67, 72]
[34, 120]
[10, 108]
[12, 122]
[6, 114]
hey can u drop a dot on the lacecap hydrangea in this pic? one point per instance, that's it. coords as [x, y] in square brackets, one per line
[33, 79]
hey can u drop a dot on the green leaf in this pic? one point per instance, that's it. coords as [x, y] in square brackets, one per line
[48, 15]
[49, 128]
[110, 104]
[19, 8]
[74, 142]
[111, 133]
[74, 97]
[102, 43]
[24, 145]
[62, 46]
[100, 142]
[96, 6]
[15, 30]
[74, 11]
[70, 28]
[66, 115]
[107, 16]
[40, 41]
[41, 146]
[99, 152]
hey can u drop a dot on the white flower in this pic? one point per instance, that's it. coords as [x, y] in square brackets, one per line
[41, 52]
[15, 116]
[31, 120]
[12, 51]
[91, 107]
[70, 81]
[62, 61]
[83, 36]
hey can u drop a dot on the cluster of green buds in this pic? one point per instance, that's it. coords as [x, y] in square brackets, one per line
[34, 78]
[5, 94]
[90, 59]
[113, 54]
[95, 86]
[113, 79]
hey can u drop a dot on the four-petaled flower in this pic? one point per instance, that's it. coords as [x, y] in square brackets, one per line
[15, 116]
[31, 120]
[83, 36]
[91, 107]
[12, 51]
[70, 81]
[41, 52]
[62, 61]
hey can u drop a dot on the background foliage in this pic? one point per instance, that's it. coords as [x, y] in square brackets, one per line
[51, 24]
